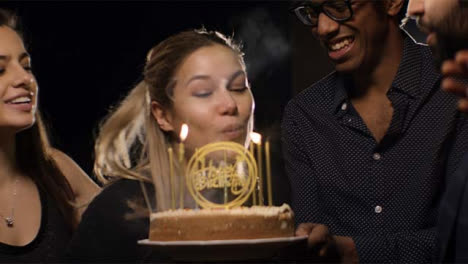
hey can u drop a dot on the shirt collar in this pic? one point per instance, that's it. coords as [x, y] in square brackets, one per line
[408, 77]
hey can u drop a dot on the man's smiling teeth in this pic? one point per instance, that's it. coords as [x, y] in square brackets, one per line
[341, 44]
[21, 100]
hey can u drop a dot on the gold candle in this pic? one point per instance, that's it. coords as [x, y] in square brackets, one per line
[182, 174]
[181, 186]
[251, 148]
[254, 194]
[181, 151]
[260, 172]
[268, 173]
[171, 173]
[225, 180]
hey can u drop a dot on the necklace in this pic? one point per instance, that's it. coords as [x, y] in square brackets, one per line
[10, 220]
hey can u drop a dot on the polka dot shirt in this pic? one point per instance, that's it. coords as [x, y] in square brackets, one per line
[383, 194]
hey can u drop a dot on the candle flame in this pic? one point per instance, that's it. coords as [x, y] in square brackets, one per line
[256, 137]
[183, 132]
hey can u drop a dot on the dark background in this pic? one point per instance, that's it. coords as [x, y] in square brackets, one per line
[88, 55]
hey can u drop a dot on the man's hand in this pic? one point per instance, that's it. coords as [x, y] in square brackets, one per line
[323, 244]
[454, 71]
[318, 237]
[347, 249]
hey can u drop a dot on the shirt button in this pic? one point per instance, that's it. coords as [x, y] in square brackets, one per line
[376, 156]
[378, 209]
[344, 106]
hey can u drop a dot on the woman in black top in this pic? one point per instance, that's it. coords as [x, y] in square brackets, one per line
[40, 188]
[194, 77]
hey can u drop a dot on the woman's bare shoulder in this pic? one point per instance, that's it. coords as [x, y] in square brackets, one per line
[83, 186]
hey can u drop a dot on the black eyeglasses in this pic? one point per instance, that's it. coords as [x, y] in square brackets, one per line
[338, 10]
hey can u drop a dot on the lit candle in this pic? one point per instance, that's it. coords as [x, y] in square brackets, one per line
[183, 135]
[257, 139]
[253, 138]
[171, 173]
[268, 172]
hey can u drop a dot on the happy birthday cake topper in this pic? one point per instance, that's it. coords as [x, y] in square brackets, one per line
[221, 174]
[236, 178]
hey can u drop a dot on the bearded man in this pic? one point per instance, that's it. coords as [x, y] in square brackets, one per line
[446, 23]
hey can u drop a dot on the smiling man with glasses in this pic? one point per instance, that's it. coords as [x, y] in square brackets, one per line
[368, 146]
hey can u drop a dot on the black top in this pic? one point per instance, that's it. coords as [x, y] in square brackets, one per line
[109, 229]
[50, 243]
[453, 218]
[384, 195]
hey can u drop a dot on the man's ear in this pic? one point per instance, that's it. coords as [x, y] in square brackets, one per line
[162, 116]
[394, 7]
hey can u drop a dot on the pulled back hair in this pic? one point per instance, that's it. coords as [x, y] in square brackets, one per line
[130, 143]
[7, 18]
[34, 154]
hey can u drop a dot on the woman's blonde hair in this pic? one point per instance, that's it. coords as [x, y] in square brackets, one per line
[130, 143]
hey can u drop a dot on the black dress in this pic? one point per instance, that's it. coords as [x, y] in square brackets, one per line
[51, 241]
[110, 228]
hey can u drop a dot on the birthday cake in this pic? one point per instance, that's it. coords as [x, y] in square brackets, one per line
[222, 224]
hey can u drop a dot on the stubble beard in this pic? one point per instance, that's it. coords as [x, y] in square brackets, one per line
[451, 35]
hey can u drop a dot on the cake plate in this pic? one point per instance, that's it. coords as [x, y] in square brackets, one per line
[223, 250]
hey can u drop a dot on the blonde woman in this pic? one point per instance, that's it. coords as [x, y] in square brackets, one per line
[194, 77]
[41, 189]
